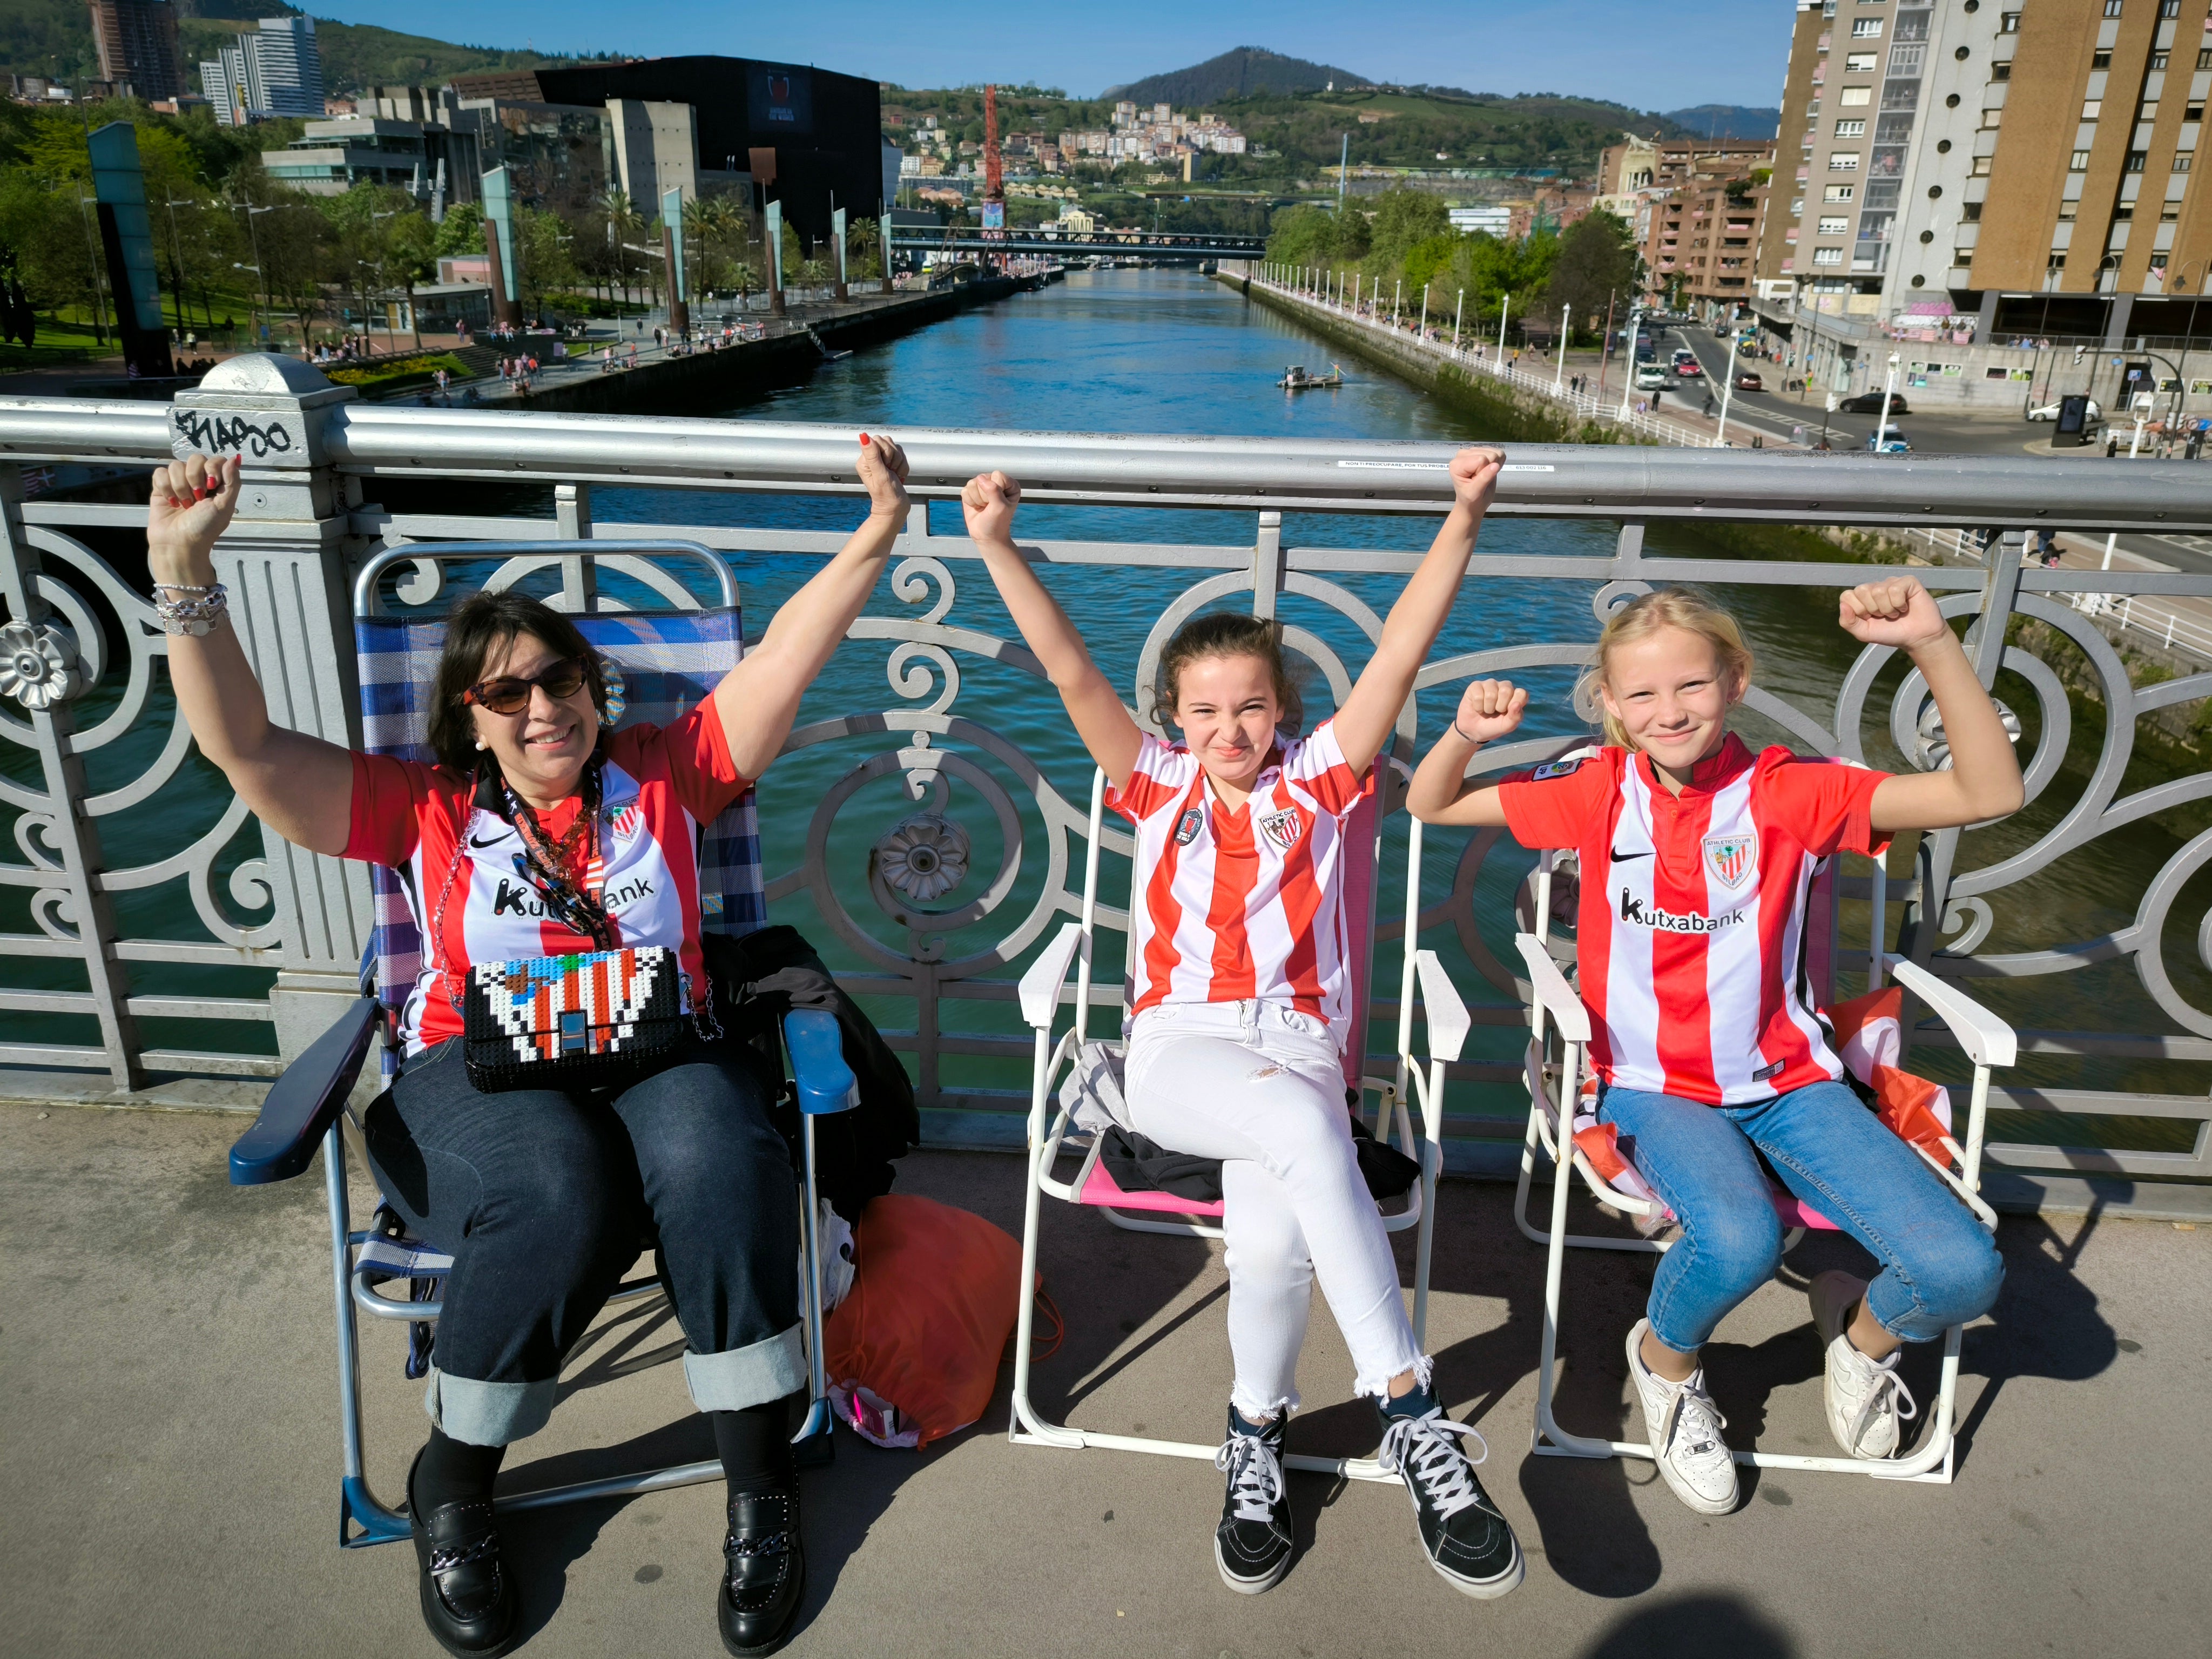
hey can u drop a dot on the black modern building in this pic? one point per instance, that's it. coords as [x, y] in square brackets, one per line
[812, 138]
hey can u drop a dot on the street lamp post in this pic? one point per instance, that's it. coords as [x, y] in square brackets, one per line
[2142, 402]
[1727, 391]
[1560, 374]
[1628, 368]
[1458, 315]
[177, 250]
[1424, 311]
[1397, 294]
[1504, 306]
[92, 251]
[1888, 387]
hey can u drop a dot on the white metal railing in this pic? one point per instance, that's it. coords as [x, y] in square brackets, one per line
[1485, 359]
[333, 483]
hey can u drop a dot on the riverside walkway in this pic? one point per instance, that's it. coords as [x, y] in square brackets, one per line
[171, 1456]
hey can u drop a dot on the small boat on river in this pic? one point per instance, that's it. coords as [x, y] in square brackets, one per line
[1295, 378]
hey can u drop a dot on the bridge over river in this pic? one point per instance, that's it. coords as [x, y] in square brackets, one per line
[1158, 245]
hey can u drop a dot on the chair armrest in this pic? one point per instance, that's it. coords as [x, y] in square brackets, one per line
[304, 1102]
[1041, 985]
[1553, 991]
[1442, 1006]
[818, 1063]
[1987, 1040]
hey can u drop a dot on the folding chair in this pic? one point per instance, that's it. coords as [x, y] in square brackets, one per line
[1555, 1083]
[1044, 987]
[665, 660]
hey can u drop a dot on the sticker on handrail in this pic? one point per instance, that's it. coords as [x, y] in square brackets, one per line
[1440, 466]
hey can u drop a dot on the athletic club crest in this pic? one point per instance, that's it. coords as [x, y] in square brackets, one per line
[1731, 859]
[625, 821]
[1282, 829]
[1186, 827]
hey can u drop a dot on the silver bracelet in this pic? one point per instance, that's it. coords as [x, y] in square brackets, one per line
[195, 616]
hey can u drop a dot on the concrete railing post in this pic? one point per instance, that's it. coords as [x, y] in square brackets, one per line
[285, 561]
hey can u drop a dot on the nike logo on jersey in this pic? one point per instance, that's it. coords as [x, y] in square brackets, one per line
[1635, 911]
[481, 841]
[1619, 857]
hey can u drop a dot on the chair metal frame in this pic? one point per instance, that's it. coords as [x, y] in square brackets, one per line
[1554, 1085]
[1422, 982]
[304, 1108]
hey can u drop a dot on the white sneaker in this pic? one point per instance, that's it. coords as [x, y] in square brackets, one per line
[1866, 1399]
[1684, 1427]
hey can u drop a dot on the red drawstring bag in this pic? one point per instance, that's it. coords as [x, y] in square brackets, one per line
[912, 1350]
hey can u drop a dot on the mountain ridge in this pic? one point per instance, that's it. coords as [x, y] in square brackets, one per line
[1240, 72]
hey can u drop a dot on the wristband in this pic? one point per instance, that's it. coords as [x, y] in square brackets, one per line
[1463, 737]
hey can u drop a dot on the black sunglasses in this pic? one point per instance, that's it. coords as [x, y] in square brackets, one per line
[510, 695]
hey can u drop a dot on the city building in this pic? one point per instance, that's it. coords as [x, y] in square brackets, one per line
[656, 149]
[332, 157]
[1495, 219]
[1926, 206]
[809, 139]
[1701, 246]
[275, 70]
[137, 40]
[556, 154]
[1636, 165]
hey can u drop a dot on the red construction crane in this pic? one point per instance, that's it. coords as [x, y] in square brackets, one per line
[994, 187]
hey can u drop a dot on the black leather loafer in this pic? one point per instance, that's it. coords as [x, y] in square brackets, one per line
[764, 1574]
[468, 1596]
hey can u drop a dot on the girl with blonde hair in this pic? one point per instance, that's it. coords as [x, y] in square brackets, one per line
[1697, 856]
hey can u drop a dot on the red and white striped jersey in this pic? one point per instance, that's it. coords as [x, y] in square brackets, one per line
[1693, 914]
[1245, 905]
[660, 785]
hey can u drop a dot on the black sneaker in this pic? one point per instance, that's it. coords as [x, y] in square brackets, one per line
[1467, 1540]
[1252, 1545]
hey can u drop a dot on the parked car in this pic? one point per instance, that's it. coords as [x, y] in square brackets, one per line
[1870, 403]
[1748, 348]
[1650, 378]
[1747, 382]
[2049, 412]
[1889, 442]
[1646, 352]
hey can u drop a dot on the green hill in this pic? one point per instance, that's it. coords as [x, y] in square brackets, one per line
[1239, 74]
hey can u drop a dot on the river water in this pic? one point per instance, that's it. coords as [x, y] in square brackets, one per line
[1171, 351]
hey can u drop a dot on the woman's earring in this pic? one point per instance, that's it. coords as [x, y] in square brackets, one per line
[480, 743]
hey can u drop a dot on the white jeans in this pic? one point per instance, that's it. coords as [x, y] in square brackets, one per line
[1260, 1086]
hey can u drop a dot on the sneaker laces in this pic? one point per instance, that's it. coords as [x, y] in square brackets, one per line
[1255, 1476]
[1691, 1415]
[1443, 1470]
[1881, 1380]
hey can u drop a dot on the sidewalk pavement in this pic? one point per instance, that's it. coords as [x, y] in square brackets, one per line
[170, 1455]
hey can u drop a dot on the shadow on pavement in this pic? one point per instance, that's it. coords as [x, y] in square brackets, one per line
[1695, 1627]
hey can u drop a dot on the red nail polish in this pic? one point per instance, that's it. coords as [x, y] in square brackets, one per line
[864, 437]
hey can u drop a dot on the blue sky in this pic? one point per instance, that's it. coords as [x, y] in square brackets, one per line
[1728, 52]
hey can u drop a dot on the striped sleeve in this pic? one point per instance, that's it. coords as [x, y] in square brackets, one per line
[1160, 778]
[1827, 805]
[390, 797]
[693, 752]
[1316, 764]
[1555, 805]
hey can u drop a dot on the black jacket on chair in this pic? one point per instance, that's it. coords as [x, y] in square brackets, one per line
[760, 977]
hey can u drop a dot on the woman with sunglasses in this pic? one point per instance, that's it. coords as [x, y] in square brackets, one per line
[540, 831]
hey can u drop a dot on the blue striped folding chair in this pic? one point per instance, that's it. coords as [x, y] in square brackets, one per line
[666, 645]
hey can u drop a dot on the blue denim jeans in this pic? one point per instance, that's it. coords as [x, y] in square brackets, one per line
[544, 1199]
[1939, 1266]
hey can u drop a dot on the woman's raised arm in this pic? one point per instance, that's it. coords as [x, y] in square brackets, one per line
[1363, 725]
[300, 786]
[1101, 720]
[759, 698]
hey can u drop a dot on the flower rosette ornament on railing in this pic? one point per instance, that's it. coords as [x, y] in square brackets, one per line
[924, 857]
[38, 665]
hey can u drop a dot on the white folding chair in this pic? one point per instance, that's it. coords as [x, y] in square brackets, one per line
[1554, 1077]
[1045, 986]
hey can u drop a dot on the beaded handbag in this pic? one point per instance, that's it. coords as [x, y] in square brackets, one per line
[590, 1021]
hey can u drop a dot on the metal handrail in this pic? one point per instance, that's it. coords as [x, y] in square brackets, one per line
[1580, 481]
